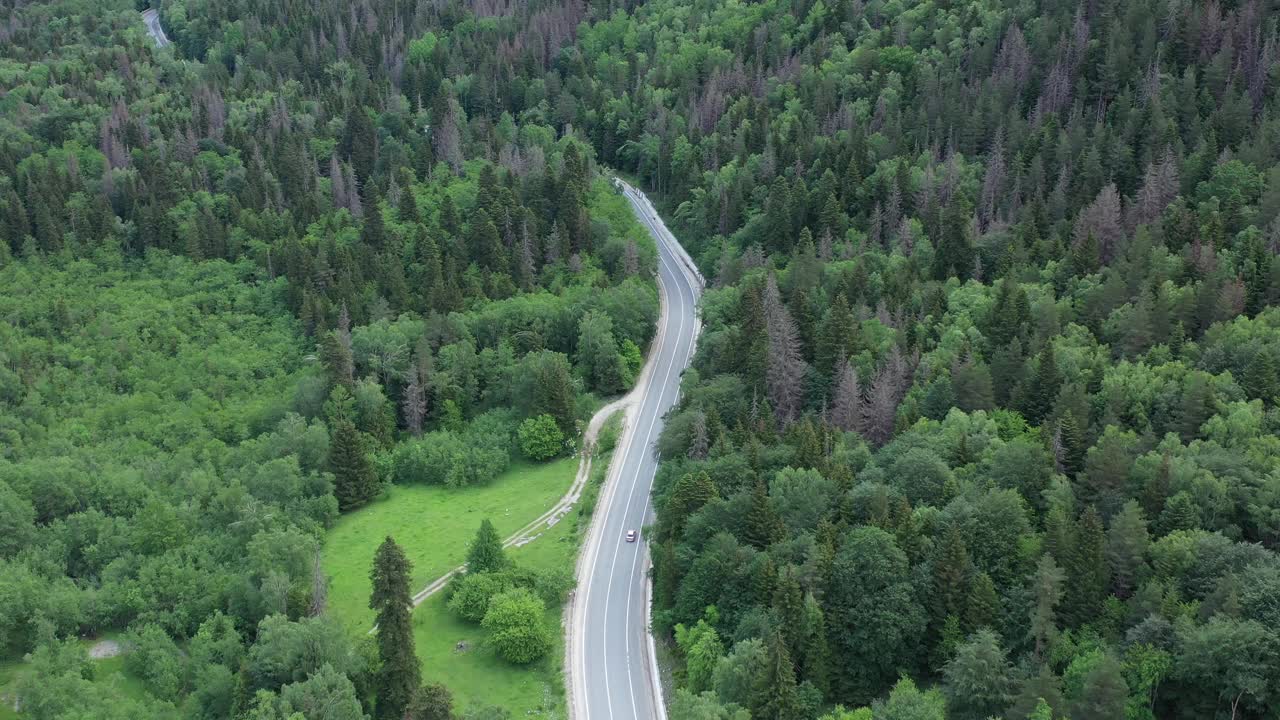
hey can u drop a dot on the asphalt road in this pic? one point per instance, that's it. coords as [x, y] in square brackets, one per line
[152, 19]
[612, 670]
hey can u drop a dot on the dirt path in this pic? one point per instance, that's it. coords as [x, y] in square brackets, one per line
[563, 506]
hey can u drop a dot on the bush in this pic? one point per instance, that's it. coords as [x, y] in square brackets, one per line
[515, 621]
[157, 660]
[446, 458]
[472, 593]
[540, 438]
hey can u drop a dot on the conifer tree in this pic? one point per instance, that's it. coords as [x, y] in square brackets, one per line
[354, 479]
[1046, 588]
[1127, 542]
[982, 607]
[1042, 393]
[691, 492]
[815, 660]
[788, 601]
[762, 526]
[373, 235]
[950, 569]
[486, 553]
[837, 337]
[399, 676]
[779, 688]
[1087, 570]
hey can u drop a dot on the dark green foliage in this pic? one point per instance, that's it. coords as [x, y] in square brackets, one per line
[1058, 214]
[873, 618]
[355, 482]
[399, 675]
[761, 526]
[430, 702]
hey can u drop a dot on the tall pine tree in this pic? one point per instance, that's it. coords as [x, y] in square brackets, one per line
[355, 482]
[399, 676]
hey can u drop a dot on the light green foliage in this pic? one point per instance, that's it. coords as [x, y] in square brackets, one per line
[517, 629]
[907, 702]
[702, 651]
[540, 438]
[472, 592]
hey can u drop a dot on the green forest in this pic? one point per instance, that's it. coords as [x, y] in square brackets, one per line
[984, 420]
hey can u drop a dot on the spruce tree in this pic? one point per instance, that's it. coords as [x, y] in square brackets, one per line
[691, 492]
[485, 553]
[1046, 588]
[399, 676]
[354, 480]
[762, 525]
[950, 569]
[1261, 379]
[837, 338]
[1042, 393]
[373, 235]
[815, 658]
[779, 687]
[1087, 570]
[361, 143]
[1074, 444]
[982, 607]
[788, 602]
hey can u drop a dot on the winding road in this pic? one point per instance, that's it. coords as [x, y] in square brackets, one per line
[152, 19]
[612, 668]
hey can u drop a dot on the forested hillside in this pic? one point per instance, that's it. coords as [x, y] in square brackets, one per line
[247, 281]
[984, 418]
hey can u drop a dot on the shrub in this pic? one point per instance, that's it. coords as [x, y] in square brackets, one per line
[540, 438]
[515, 621]
[472, 593]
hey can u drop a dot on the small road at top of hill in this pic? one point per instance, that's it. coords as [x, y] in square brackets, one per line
[152, 20]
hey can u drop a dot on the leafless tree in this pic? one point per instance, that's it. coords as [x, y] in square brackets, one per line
[630, 259]
[551, 252]
[447, 137]
[337, 183]
[886, 394]
[992, 184]
[875, 229]
[343, 336]
[528, 266]
[849, 408]
[319, 588]
[893, 212]
[353, 194]
[784, 366]
[700, 443]
[1104, 220]
[1160, 186]
[414, 404]
[1013, 64]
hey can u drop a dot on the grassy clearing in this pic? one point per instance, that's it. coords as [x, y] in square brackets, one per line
[433, 525]
[477, 677]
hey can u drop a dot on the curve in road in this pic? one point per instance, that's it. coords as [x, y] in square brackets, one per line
[612, 673]
[152, 20]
